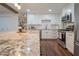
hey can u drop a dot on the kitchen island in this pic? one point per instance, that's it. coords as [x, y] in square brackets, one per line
[20, 44]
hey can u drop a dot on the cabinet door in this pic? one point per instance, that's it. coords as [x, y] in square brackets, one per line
[70, 42]
[44, 34]
[49, 34]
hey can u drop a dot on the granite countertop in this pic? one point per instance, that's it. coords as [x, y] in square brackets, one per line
[65, 30]
[20, 44]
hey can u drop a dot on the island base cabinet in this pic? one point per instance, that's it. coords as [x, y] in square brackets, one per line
[49, 34]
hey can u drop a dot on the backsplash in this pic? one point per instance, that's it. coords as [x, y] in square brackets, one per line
[41, 27]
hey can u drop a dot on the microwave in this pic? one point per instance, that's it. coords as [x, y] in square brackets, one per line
[67, 17]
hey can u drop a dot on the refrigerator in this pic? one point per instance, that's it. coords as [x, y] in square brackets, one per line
[76, 43]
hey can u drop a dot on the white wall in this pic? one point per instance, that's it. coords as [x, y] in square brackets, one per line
[8, 23]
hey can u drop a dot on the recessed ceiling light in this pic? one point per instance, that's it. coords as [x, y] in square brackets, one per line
[50, 10]
[19, 7]
[28, 10]
[16, 4]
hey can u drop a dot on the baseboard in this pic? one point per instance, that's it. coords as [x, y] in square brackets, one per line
[69, 52]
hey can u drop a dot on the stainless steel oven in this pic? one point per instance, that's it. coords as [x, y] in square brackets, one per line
[62, 38]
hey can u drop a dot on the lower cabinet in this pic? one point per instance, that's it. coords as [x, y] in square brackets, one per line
[49, 34]
[70, 41]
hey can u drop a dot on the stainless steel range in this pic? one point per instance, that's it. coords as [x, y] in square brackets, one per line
[62, 38]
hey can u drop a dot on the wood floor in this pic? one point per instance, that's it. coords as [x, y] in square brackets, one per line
[52, 48]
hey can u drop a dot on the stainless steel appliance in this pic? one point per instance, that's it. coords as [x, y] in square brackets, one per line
[62, 38]
[67, 17]
[76, 44]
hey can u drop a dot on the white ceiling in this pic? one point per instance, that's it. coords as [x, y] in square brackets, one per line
[4, 10]
[43, 7]
[36, 7]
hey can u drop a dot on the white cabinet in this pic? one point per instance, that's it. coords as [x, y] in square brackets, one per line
[49, 34]
[70, 41]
